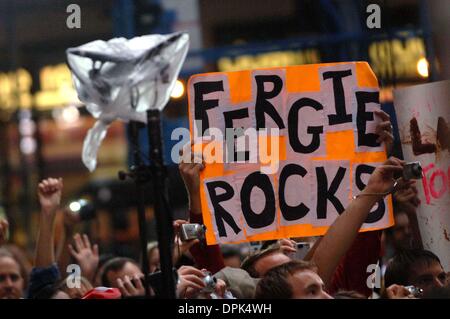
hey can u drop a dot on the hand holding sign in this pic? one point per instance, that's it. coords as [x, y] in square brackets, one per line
[190, 172]
[384, 129]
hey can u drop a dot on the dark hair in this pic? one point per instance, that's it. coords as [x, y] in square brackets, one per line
[249, 263]
[400, 266]
[114, 264]
[230, 251]
[275, 284]
[348, 294]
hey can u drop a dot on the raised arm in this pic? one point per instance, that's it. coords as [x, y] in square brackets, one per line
[49, 193]
[344, 230]
[209, 257]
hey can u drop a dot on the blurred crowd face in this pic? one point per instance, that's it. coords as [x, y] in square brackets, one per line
[401, 232]
[233, 261]
[129, 269]
[264, 264]
[306, 284]
[428, 276]
[153, 260]
[11, 281]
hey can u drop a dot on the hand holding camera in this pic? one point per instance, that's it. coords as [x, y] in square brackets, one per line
[186, 236]
[192, 231]
[190, 282]
[401, 292]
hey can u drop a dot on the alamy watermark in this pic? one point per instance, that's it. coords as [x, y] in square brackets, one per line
[73, 280]
[237, 146]
[373, 20]
[374, 279]
[73, 20]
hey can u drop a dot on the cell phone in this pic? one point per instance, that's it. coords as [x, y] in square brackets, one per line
[302, 250]
[156, 281]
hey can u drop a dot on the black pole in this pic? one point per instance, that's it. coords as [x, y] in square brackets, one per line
[163, 214]
[140, 174]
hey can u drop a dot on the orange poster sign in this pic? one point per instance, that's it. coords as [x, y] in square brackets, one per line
[286, 149]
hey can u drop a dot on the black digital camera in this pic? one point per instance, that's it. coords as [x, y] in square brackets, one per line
[412, 170]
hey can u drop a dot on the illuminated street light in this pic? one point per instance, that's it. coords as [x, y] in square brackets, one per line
[422, 67]
[178, 90]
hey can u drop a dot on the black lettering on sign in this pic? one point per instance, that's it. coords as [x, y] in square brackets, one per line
[294, 140]
[262, 105]
[201, 105]
[341, 115]
[291, 212]
[267, 216]
[378, 213]
[325, 194]
[362, 117]
[229, 116]
[220, 213]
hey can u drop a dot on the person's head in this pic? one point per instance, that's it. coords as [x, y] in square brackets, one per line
[293, 280]
[400, 235]
[119, 267]
[11, 280]
[238, 282]
[153, 256]
[417, 267]
[104, 258]
[259, 264]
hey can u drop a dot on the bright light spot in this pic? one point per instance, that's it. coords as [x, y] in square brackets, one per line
[178, 90]
[27, 127]
[66, 117]
[70, 114]
[75, 206]
[28, 145]
[422, 67]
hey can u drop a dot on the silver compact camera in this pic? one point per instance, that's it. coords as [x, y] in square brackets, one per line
[412, 170]
[192, 231]
[210, 282]
[415, 291]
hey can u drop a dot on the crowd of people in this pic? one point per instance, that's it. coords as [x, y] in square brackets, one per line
[335, 266]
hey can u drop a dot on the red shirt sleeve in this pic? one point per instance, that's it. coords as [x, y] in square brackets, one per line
[351, 274]
[208, 257]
